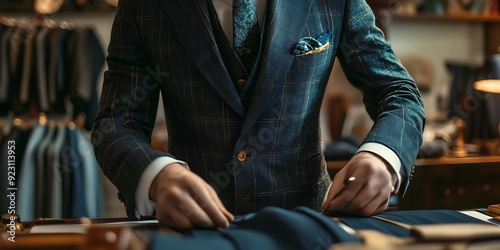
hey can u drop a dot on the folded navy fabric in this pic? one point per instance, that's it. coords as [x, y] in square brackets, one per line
[410, 217]
[301, 228]
[270, 228]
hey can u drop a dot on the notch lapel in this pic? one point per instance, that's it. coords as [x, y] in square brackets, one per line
[284, 23]
[191, 21]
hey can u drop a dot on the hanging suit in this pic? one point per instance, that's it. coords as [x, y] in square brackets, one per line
[92, 183]
[27, 175]
[41, 176]
[4, 69]
[17, 137]
[254, 136]
[54, 188]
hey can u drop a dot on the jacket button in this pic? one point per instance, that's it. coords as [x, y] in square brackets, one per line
[242, 156]
[241, 82]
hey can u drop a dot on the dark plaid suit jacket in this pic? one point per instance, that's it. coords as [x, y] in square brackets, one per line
[258, 145]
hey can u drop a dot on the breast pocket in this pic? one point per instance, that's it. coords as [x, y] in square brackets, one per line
[311, 68]
[312, 60]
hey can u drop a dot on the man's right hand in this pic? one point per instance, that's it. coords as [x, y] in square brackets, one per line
[185, 201]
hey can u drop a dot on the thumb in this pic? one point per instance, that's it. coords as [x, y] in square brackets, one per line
[336, 185]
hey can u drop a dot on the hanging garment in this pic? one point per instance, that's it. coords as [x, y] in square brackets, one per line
[74, 203]
[62, 70]
[26, 184]
[51, 69]
[4, 70]
[41, 66]
[28, 86]
[40, 172]
[78, 204]
[11, 155]
[17, 48]
[54, 188]
[92, 179]
[85, 73]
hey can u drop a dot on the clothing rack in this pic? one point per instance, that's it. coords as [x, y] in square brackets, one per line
[55, 171]
[48, 66]
[49, 72]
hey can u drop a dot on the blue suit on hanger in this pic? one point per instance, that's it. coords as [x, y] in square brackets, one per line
[257, 142]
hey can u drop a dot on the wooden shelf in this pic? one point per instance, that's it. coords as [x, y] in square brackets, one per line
[337, 165]
[449, 17]
[490, 23]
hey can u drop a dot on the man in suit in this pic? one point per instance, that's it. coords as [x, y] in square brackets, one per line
[243, 136]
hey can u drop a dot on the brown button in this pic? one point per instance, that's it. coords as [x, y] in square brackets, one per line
[241, 82]
[242, 156]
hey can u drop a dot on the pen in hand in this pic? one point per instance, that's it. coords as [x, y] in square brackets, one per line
[346, 184]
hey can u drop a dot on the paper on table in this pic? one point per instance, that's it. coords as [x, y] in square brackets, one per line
[82, 228]
[481, 216]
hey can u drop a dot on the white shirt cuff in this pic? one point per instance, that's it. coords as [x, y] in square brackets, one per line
[389, 156]
[144, 205]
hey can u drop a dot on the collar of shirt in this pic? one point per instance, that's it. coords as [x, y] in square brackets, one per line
[224, 10]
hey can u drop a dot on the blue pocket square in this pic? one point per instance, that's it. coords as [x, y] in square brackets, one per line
[310, 45]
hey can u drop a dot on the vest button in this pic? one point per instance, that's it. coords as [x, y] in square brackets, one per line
[242, 156]
[241, 82]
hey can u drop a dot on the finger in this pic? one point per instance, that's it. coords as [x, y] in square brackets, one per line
[337, 183]
[180, 210]
[172, 218]
[204, 198]
[368, 200]
[344, 199]
[382, 207]
[375, 206]
[192, 210]
[215, 197]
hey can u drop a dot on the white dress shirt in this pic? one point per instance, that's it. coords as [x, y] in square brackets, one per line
[224, 9]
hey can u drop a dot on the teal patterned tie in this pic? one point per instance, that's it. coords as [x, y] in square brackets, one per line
[246, 32]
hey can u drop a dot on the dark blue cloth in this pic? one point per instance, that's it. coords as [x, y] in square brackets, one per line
[410, 217]
[270, 228]
[78, 206]
[300, 228]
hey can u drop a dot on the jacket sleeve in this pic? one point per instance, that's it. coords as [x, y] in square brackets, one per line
[127, 109]
[390, 95]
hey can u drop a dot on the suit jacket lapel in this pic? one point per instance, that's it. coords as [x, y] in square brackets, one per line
[284, 23]
[191, 21]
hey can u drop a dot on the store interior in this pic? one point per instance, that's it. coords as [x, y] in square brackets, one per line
[447, 46]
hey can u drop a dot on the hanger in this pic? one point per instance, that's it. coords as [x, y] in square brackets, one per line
[42, 119]
[67, 25]
[71, 125]
[80, 121]
[7, 21]
[20, 123]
